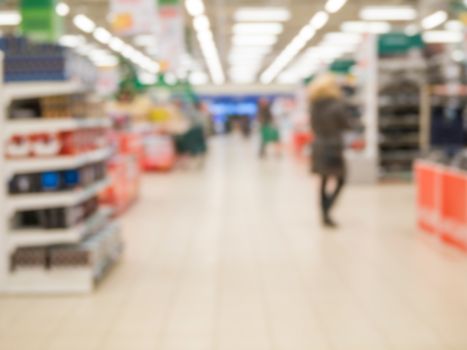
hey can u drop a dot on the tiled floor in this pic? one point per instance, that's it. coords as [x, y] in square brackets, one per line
[233, 258]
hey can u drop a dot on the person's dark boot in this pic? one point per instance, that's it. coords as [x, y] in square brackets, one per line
[329, 223]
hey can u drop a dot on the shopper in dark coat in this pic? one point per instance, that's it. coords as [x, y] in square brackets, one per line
[330, 118]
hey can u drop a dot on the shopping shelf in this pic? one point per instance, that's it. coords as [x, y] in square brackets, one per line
[44, 125]
[21, 166]
[57, 199]
[44, 237]
[18, 91]
[60, 280]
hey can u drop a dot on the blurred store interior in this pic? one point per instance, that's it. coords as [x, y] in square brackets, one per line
[233, 175]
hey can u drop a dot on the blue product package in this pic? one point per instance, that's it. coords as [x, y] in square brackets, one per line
[71, 178]
[50, 181]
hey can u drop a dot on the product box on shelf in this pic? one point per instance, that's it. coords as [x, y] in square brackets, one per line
[27, 61]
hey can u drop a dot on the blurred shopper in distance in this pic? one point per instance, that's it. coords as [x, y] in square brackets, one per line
[269, 131]
[191, 144]
[330, 118]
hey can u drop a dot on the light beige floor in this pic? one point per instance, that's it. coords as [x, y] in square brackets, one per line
[233, 258]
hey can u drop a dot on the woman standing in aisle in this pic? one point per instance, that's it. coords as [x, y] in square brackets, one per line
[330, 118]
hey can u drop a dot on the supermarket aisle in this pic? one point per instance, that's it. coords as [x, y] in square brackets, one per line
[232, 257]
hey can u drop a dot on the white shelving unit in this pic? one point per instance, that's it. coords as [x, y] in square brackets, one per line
[40, 237]
[41, 280]
[54, 199]
[25, 127]
[15, 166]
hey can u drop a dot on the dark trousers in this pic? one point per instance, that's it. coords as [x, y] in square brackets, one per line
[329, 199]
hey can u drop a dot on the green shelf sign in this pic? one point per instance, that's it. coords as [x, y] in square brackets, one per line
[398, 43]
[40, 21]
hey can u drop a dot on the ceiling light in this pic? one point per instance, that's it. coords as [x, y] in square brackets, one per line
[146, 40]
[388, 13]
[442, 36]
[84, 23]
[319, 20]
[102, 35]
[108, 61]
[62, 9]
[258, 28]
[307, 33]
[10, 18]
[256, 14]
[333, 6]
[194, 7]
[116, 44]
[243, 79]
[434, 20]
[128, 51]
[340, 38]
[205, 36]
[201, 23]
[454, 25]
[257, 50]
[198, 78]
[366, 27]
[72, 40]
[254, 40]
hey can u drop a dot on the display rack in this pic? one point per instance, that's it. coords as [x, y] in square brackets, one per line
[392, 84]
[399, 114]
[66, 279]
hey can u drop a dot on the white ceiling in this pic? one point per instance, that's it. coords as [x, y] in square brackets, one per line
[220, 13]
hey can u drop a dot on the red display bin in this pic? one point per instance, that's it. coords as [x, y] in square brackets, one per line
[428, 177]
[453, 227]
[442, 202]
[159, 152]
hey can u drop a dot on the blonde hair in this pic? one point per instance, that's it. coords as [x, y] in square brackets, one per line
[324, 86]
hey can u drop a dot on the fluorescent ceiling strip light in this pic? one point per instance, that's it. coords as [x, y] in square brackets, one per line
[333, 6]
[442, 36]
[319, 20]
[258, 28]
[340, 38]
[261, 14]
[434, 20]
[10, 18]
[366, 27]
[307, 33]
[194, 7]
[206, 40]
[201, 23]
[388, 13]
[62, 9]
[454, 25]
[254, 40]
[84, 23]
[250, 51]
[72, 40]
[102, 35]
[198, 78]
[116, 44]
